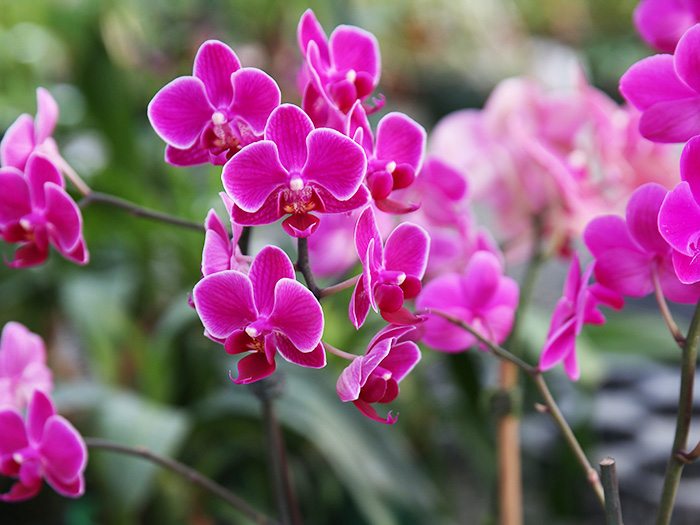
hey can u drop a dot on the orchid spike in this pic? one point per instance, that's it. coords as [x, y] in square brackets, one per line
[262, 313]
[45, 446]
[210, 115]
[391, 273]
[375, 376]
[296, 170]
[36, 211]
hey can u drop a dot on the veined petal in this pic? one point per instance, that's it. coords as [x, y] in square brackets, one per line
[39, 172]
[685, 58]
[366, 230]
[63, 450]
[400, 139]
[191, 156]
[407, 249]
[17, 143]
[679, 219]
[356, 49]
[314, 359]
[653, 80]
[673, 289]
[559, 344]
[348, 385]
[335, 162]
[687, 268]
[63, 215]
[288, 127]
[297, 314]
[608, 232]
[255, 96]
[224, 302]
[268, 212]
[216, 255]
[624, 271]
[643, 217]
[269, 266]
[253, 174]
[214, 64]
[359, 304]
[15, 202]
[180, 111]
[46, 115]
[333, 205]
[402, 358]
[310, 30]
[672, 121]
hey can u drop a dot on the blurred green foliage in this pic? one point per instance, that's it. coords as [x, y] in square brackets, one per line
[128, 353]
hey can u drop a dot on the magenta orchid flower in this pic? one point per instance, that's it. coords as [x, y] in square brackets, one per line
[631, 254]
[679, 216]
[27, 135]
[22, 366]
[666, 88]
[482, 297]
[47, 447]
[264, 312]
[375, 376]
[394, 158]
[36, 211]
[578, 306]
[338, 71]
[211, 115]
[391, 273]
[296, 170]
[661, 23]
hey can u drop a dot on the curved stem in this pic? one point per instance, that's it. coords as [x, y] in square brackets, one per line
[138, 211]
[676, 461]
[330, 290]
[186, 472]
[552, 407]
[304, 267]
[665, 312]
[340, 353]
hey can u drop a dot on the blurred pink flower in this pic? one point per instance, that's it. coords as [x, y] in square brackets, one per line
[661, 23]
[22, 366]
[45, 446]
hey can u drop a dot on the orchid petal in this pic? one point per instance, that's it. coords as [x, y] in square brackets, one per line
[366, 230]
[690, 166]
[191, 156]
[72, 488]
[369, 411]
[309, 30]
[679, 218]
[356, 49]
[359, 304]
[13, 432]
[687, 268]
[685, 58]
[400, 139]
[180, 111]
[407, 249]
[269, 266]
[63, 214]
[20, 492]
[316, 358]
[642, 217]
[63, 449]
[288, 127]
[672, 121]
[224, 302]
[17, 143]
[214, 64]
[15, 201]
[46, 115]
[256, 95]
[38, 413]
[297, 314]
[253, 367]
[402, 358]
[653, 80]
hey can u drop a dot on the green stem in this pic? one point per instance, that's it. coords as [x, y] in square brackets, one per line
[608, 476]
[186, 472]
[677, 461]
[138, 211]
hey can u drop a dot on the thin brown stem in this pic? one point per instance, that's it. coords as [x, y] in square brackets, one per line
[608, 476]
[138, 211]
[552, 407]
[304, 267]
[186, 472]
[330, 290]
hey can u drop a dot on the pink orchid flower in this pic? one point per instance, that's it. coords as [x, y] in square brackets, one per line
[36, 211]
[27, 135]
[221, 251]
[666, 88]
[661, 23]
[375, 376]
[338, 71]
[211, 115]
[393, 159]
[482, 297]
[264, 312]
[391, 273]
[296, 170]
[679, 216]
[22, 366]
[46, 446]
[578, 306]
[630, 253]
